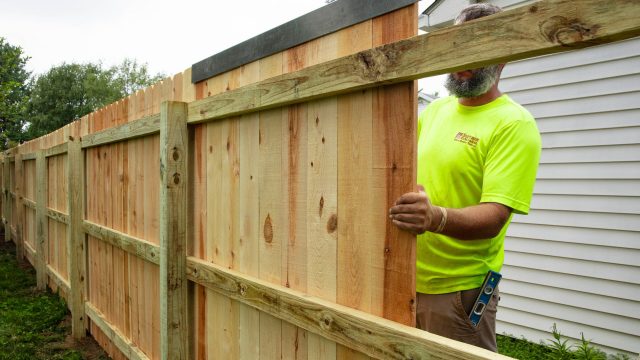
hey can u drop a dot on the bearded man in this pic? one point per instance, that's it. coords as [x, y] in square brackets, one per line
[478, 154]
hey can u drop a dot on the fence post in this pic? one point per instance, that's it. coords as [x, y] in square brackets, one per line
[42, 233]
[19, 185]
[173, 229]
[6, 180]
[76, 236]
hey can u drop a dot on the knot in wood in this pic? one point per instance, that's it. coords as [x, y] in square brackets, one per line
[372, 64]
[564, 31]
[176, 178]
[332, 223]
[243, 289]
[268, 230]
[326, 321]
[175, 154]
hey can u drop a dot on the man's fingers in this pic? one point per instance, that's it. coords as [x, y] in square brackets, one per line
[409, 218]
[412, 228]
[421, 189]
[404, 209]
[410, 198]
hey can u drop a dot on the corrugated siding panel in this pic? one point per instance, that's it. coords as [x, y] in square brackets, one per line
[575, 259]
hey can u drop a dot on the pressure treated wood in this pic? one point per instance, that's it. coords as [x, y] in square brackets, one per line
[119, 340]
[57, 216]
[58, 279]
[6, 180]
[173, 230]
[146, 126]
[77, 247]
[29, 203]
[372, 335]
[19, 216]
[56, 150]
[132, 245]
[545, 27]
[42, 233]
[29, 156]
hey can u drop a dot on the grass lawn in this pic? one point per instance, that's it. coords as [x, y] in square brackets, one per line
[34, 324]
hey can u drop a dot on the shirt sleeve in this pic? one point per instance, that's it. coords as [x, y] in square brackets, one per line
[511, 165]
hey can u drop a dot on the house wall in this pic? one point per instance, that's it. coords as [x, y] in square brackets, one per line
[575, 259]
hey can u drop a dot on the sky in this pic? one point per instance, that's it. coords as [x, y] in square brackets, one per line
[169, 36]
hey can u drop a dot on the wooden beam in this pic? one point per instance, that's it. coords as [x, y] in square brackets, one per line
[117, 338]
[58, 279]
[29, 203]
[174, 142]
[75, 236]
[135, 246]
[42, 231]
[29, 156]
[56, 150]
[19, 216]
[30, 253]
[131, 130]
[545, 27]
[367, 333]
[57, 216]
[6, 177]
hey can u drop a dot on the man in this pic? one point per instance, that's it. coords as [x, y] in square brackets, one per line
[478, 154]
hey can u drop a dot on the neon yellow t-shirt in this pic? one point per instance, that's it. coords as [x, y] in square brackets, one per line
[468, 155]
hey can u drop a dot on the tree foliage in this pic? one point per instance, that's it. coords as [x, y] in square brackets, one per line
[69, 91]
[14, 91]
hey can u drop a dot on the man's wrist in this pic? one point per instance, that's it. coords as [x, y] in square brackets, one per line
[443, 220]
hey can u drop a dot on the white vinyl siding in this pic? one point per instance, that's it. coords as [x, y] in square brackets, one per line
[575, 259]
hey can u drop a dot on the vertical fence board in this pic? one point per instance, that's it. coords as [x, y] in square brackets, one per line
[272, 221]
[394, 163]
[248, 258]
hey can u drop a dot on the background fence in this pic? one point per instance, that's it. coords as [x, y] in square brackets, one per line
[244, 216]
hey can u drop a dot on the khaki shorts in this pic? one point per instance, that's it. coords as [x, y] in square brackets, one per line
[447, 315]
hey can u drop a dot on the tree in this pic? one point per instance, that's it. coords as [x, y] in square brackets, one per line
[14, 92]
[130, 76]
[69, 91]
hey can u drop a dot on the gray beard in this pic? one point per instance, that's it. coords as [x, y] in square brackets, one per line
[481, 81]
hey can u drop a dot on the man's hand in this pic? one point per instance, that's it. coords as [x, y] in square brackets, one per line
[414, 212]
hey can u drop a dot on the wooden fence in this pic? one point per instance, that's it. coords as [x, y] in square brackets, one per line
[244, 216]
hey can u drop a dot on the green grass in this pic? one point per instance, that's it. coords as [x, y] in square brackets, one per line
[522, 349]
[556, 348]
[31, 321]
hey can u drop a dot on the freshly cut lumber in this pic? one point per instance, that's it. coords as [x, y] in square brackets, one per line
[367, 333]
[545, 27]
[131, 130]
[119, 340]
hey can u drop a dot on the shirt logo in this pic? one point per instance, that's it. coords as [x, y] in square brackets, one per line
[467, 139]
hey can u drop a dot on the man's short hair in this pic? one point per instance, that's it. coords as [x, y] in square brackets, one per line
[476, 11]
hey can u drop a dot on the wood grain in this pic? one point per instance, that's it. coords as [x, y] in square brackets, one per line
[127, 131]
[19, 206]
[42, 235]
[516, 34]
[173, 230]
[369, 334]
[76, 242]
